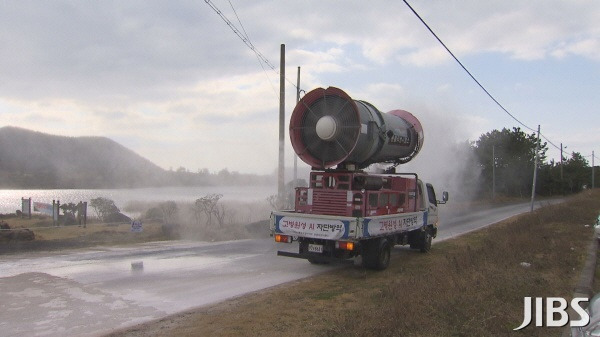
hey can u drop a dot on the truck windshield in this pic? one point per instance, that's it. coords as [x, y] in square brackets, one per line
[431, 194]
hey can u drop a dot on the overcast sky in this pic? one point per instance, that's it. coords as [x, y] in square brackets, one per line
[171, 81]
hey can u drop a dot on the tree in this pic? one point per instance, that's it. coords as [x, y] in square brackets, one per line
[69, 211]
[207, 205]
[514, 159]
[104, 207]
[168, 210]
[576, 173]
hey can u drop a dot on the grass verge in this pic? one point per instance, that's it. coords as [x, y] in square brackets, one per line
[470, 286]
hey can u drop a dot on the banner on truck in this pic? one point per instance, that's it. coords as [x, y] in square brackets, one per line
[312, 228]
[394, 224]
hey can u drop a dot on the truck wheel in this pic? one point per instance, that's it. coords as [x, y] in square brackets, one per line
[376, 254]
[426, 241]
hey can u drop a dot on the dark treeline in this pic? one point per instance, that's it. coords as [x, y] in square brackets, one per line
[184, 177]
[509, 156]
[30, 159]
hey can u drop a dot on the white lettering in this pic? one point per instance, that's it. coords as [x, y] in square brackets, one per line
[539, 302]
[551, 310]
[585, 317]
[526, 314]
[554, 306]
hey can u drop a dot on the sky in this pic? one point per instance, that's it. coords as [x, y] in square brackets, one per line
[173, 82]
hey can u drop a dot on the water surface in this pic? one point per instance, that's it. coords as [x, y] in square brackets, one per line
[10, 200]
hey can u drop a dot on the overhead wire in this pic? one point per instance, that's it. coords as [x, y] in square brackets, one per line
[239, 34]
[254, 50]
[463, 66]
[473, 77]
[244, 37]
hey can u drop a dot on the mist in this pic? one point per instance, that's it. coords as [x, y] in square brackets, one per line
[445, 159]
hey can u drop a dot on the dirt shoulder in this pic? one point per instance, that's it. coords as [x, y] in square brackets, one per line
[470, 286]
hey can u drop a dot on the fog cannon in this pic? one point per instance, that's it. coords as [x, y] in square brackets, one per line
[329, 128]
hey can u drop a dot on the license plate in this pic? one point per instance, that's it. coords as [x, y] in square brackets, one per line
[315, 248]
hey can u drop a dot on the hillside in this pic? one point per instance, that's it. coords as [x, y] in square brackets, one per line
[30, 159]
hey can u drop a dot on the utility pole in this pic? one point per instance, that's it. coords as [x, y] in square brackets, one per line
[280, 178]
[537, 155]
[295, 155]
[493, 172]
[593, 170]
[561, 162]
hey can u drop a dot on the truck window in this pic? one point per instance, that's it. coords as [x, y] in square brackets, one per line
[383, 199]
[431, 194]
[373, 197]
[419, 201]
[394, 200]
[402, 199]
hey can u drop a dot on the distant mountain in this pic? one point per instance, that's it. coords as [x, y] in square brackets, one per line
[30, 159]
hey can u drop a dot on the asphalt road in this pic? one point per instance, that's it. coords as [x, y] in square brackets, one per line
[91, 292]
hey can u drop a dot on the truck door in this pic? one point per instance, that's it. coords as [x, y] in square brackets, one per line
[432, 208]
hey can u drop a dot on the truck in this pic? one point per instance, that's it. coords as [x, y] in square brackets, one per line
[346, 211]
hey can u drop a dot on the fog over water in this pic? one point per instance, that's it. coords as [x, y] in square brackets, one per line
[10, 200]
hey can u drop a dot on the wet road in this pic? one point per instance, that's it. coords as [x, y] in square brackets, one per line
[91, 292]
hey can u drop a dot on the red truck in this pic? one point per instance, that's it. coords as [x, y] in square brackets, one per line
[345, 211]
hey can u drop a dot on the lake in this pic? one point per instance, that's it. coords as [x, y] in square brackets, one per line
[10, 200]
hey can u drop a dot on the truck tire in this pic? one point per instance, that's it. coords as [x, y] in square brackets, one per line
[376, 254]
[425, 241]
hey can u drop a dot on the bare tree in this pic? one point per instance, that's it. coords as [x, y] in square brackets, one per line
[207, 205]
[169, 211]
[220, 214]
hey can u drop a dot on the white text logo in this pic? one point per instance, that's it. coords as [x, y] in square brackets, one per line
[555, 306]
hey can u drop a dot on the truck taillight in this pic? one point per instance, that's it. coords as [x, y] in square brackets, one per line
[283, 238]
[345, 245]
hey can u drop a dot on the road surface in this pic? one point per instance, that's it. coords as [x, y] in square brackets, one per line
[91, 292]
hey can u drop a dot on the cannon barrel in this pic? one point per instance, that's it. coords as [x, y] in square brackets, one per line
[329, 128]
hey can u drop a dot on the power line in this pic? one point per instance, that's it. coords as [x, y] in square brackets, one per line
[465, 68]
[473, 77]
[548, 140]
[239, 34]
[254, 50]
[244, 37]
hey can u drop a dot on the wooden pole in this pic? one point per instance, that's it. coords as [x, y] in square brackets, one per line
[493, 172]
[295, 155]
[537, 156]
[280, 177]
[561, 162]
[593, 186]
